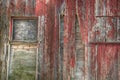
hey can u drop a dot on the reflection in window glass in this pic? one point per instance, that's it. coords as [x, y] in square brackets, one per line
[24, 30]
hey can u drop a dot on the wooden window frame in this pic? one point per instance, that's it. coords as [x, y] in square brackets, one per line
[17, 43]
[11, 29]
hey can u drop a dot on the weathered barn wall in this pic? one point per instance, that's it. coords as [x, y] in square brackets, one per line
[106, 61]
[99, 30]
[80, 56]
[103, 37]
[69, 41]
[107, 15]
[6, 13]
[4, 39]
[48, 34]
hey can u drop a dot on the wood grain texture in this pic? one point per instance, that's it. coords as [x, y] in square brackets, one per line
[100, 18]
[111, 29]
[118, 29]
[22, 63]
[106, 7]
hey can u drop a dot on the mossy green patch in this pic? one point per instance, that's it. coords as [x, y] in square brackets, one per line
[22, 73]
[23, 65]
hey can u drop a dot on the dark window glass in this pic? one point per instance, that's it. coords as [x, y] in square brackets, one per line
[25, 30]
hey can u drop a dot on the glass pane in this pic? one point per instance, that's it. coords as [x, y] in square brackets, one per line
[22, 64]
[25, 30]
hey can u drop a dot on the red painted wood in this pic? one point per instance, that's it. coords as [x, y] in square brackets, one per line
[118, 29]
[69, 40]
[93, 51]
[81, 13]
[111, 7]
[102, 57]
[21, 7]
[111, 29]
[30, 7]
[106, 7]
[99, 30]
[118, 11]
[40, 7]
[10, 30]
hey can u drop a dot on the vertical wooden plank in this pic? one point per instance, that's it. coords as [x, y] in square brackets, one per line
[116, 65]
[118, 62]
[69, 41]
[106, 7]
[111, 29]
[118, 29]
[80, 50]
[17, 7]
[21, 7]
[85, 8]
[4, 61]
[118, 11]
[61, 37]
[99, 61]
[94, 62]
[111, 58]
[100, 8]
[92, 35]
[56, 45]
[81, 11]
[111, 7]
[30, 7]
[41, 46]
[49, 54]
[8, 61]
[40, 7]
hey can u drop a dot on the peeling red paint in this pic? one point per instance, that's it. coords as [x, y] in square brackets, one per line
[106, 7]
[111, 26]
[40, 8]
[69, 39]
[104, 60]
[10, 30]
[72, 62]
[102, 56]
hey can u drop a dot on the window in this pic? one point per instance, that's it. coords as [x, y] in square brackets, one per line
[22, 63]
[24, 29]
[23, 50]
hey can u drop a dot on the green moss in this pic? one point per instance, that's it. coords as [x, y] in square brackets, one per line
[22, 73]
[23, 65]
[71, 78]
[21, 76]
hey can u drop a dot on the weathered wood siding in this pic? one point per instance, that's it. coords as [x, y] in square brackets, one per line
[99, 26]
[104, 40]
[79, 53]
[61, 45]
